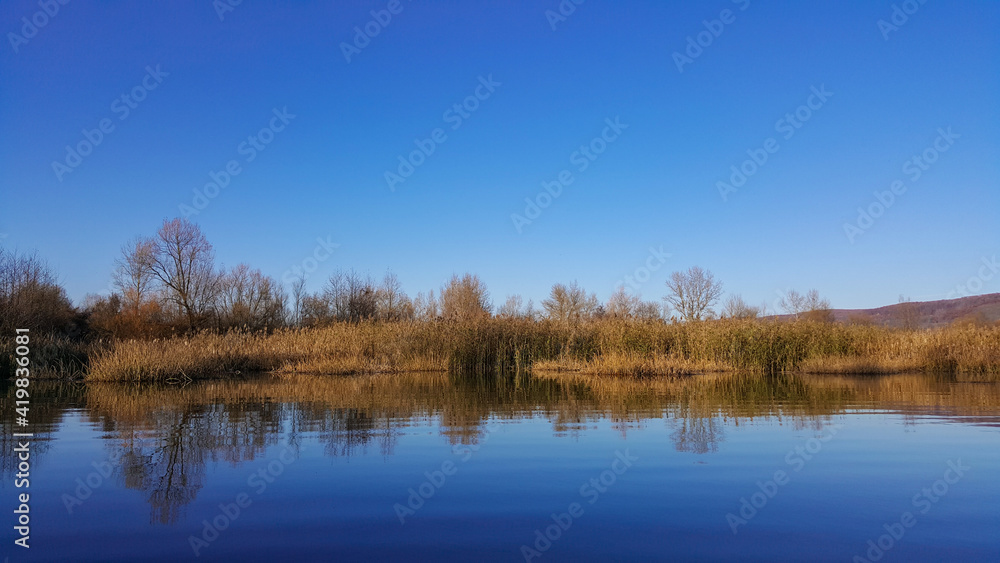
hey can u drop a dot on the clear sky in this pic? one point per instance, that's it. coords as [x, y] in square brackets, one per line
[197, 85]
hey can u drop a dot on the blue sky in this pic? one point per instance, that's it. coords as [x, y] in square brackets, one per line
[220, 80]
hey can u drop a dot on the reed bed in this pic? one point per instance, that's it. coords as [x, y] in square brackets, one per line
[52, 357]
[602, 347]
[338, 349]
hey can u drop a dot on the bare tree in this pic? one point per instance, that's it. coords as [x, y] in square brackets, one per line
[30, 296]
[907, 314]
[426, 308]
[515, 308]
[133, 275]
[336, 295]
[621, 305]
[392, 302]
[693, 293]
[273, 310]
[316, 310]
[648, 311]
[351, 296]
[763, 309]
[247, 298]
[810, 305]
[298, 293]
[792, 303]
[529, 312]
[569, 303]
[465, 298]
[816, 303]
[361, 304]
[511, 308]
[104, 314]
[183, 262]
[737, 308]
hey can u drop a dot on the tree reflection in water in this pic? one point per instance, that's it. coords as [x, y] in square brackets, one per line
[163, 437]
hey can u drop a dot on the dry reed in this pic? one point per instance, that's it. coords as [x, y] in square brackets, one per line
[602, 347]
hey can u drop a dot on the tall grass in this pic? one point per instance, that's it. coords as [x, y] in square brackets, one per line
[338, 349]
[51, 357]
[603, 347]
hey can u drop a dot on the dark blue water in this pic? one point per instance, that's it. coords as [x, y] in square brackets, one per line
[438, 468]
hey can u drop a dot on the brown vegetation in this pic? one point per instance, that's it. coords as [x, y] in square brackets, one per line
[599, 347]
[31, 297]
[175, 316]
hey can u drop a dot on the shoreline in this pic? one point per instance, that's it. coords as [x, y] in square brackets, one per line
[607, 347]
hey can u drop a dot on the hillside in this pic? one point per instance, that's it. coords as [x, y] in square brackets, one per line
[928, 314]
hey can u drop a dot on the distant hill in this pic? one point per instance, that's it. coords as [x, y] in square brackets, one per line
[927, 314]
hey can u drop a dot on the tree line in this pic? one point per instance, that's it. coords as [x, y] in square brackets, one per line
[168, 283]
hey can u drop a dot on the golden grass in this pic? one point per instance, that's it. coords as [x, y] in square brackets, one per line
[611, 347]
[617, 362]
[339, 349]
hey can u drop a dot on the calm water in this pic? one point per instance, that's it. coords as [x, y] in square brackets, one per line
[428, 467]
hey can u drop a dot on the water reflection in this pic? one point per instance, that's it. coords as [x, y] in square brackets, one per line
[164, 437]
[699, 435]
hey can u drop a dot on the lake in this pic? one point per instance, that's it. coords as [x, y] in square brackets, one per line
[550, 467]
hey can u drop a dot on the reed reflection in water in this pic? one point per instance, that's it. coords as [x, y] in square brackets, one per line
[164, 436]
